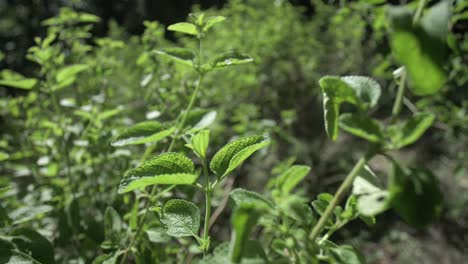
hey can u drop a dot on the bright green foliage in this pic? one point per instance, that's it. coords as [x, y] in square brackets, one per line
[361, 126]
[231, 58]
[167, 168]
[199, 143]
[4, 156]
[16, 80]
[234, 153]
[415, 195]
[184, 27]
[358, 90]
[178, 55]
[142, 133]
[181, 218]
[68, 75]
[211, 21]
[421, 48]
[406, 133]
[240, 196]
[292, 177]
[9, 256]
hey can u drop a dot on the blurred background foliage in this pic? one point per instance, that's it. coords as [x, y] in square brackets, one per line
[59, 153]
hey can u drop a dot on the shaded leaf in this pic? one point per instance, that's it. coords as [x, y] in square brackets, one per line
[211, 21]
[8, 256]
[240, 196]
[25, 214]
[292, 177]
[179, 55]
[408, 132]
[39, 247]
[361, 126]
[233, 154]
[231, 58]
[167, 168]
[142, 133]
[346, 254]
[181, 218]
[367, 90]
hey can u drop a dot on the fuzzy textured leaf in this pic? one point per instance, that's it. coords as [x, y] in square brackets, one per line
[367, 90]
[167, 168]
[181, 218]
[234, 153]
[361, 126]
[141, 133]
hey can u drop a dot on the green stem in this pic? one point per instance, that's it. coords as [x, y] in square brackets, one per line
[417, 16]
[207, 206]
[400, 93]
[345, 185]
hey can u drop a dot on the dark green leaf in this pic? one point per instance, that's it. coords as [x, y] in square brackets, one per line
[240, 196]
[112, 225]
[167, 168]
[361, 126]
[28, 240]
[234, 153]
[181, 218]
[415, 195]
[292, 177]
[8, 256]
[408, 132]
[142, 133]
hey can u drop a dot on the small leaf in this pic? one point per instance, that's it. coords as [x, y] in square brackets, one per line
[9, 256]
[211, 21]
[371, 200]
[361, 126]
[25, 84]
[199, 143]
[240, 196]
[179, 55]
[346, 254]
[112, 225]
[181, 218]
[205, 121]
[70, 72]
[167, 168]
[415, 195]
[292, 177]
[184, 27]
[234, 153]
[408, 132]
[231, 58]
[367, 90]
[142, 133]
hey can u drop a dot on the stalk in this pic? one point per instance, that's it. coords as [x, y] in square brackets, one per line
[399, 97]
[345, 185]
[207, 206]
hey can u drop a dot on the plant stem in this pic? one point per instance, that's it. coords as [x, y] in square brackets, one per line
[206, 228]
[345, 185]
[417, 16]
[400, 93]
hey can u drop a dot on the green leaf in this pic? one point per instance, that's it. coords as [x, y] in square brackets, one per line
[231, 58]
[292, 177]
[181, 218]
[371, 200]
[8, 256]
[184, 27]
[436, 19]
[243, 220]
[346, 254]
[199, 143]
[25, 214]
[4, 156]
[421, 49]
[39, 247]
[367, 90]
[179, 55]
[240, 196]
[211, 21]
[408, 132]
[142, 133]
[112, 225]
[167, 168]
[415, 195]
[69, 73]
[234, 153]
[361, 126]
[25, 84]
[206, 120]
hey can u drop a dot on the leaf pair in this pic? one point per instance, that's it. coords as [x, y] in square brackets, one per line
[200, 26]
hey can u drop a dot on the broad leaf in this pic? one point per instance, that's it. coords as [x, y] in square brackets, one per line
[292, 177]
[112, 225]
[361, 126]
[39, 247]
[167, 168]
[421, 49]
[367, 90]
[234, 153]
[9, 256]
[211, 21]
[206, 120]
[70, 72]
[142, 133]
[179, 55]
[181, 218]
[371, 200]
[184, 27]
[408, 132]
[199, 143]
[240, 196]
[231, 58]
[346, 254]
[25, 84]
[415, 195]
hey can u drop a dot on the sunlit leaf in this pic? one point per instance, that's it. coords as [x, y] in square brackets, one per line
[234, 153]
[211, 21]
[167, 168]
[142, 133]
[184, 27]
[199, 143]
